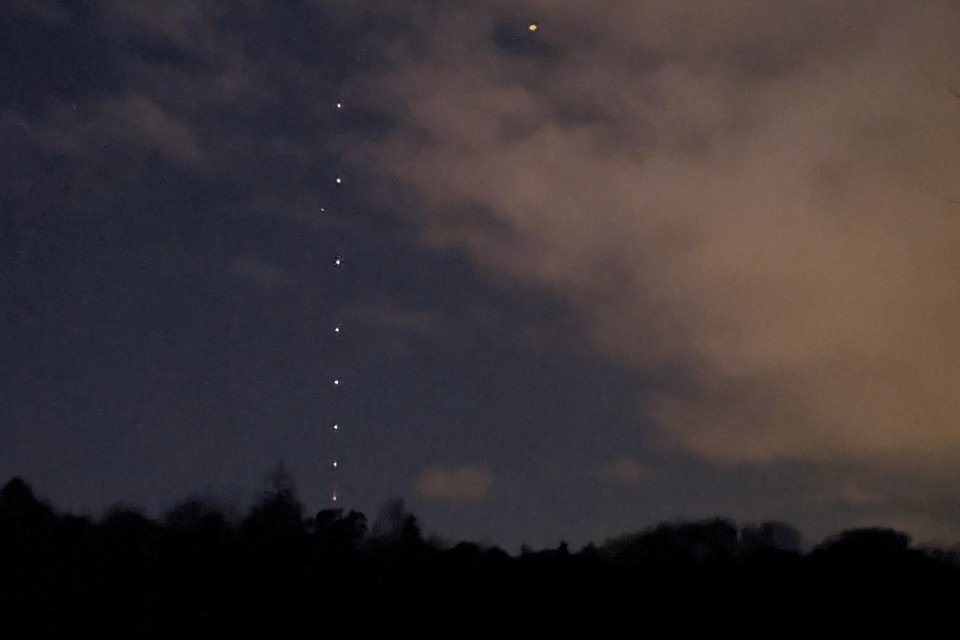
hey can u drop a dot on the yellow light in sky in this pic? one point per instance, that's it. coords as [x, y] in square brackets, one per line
[533, 26]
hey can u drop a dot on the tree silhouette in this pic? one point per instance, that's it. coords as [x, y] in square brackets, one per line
[339, 532]
[279, 512]
[194, 574]
[397, 526]
[770, 536]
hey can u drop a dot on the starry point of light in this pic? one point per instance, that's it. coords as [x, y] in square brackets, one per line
[533, 26]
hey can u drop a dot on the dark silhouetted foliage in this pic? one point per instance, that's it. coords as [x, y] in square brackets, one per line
[770, 537]
[196, 573]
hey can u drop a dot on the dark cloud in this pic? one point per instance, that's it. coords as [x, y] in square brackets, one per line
[129, 119]
[269, 276]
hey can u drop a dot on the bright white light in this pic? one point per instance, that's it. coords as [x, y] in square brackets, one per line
[336, 427]
[339, 180]
[339, 105]
[335, 464]
[336, 329]
[336, 382]
[337, 261]
[334, 496]
[322, 210]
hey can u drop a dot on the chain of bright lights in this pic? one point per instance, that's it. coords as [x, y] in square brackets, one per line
[337, 327]
[337, 330]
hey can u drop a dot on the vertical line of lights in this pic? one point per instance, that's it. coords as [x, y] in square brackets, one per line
[336, 426]
[337, 264]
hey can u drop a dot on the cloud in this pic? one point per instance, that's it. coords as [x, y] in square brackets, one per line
[624, 471]
[184, 22]
[131, 119]
[138, 119]
[385, 313]
[264, 274]
[740, 205]
[455, 484]
[42, 10]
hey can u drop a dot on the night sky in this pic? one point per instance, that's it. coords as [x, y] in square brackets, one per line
[652, 260]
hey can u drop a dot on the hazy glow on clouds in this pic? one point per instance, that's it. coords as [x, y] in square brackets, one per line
[743, 190]
[455, 484]
[625, 471]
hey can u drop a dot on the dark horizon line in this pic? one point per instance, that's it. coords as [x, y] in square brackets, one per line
[282, 489]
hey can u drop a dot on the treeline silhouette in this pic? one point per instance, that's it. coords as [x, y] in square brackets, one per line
[278, 571]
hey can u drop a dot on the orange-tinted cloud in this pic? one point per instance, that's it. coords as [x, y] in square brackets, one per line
[625, 471]
[747, 193]
[455, 484]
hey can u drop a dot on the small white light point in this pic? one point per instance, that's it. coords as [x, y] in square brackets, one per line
[336, 382]
[339, 105]
[336, 427]
[339, 180]
[335, 464]
[336, 329]
[323, 210]
[337, 261]
[334, 496]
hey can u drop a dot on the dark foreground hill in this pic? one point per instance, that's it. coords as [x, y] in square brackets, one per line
[279, 573]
